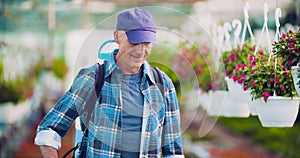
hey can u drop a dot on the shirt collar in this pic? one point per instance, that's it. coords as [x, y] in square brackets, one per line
[111, 66]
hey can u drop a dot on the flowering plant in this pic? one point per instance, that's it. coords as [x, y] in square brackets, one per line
[288, 47]
[200, 59]
[244, 70]
[236, 57]
[268, 77]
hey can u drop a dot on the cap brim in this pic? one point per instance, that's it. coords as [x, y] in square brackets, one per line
[141, 36]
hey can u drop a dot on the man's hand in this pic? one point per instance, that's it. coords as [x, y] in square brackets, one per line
[48, 152]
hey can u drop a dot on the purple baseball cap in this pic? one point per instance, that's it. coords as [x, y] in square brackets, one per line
[138, 25]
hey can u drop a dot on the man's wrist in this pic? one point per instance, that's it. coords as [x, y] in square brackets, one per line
[48, 151]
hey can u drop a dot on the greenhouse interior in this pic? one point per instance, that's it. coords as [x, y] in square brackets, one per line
[211, 50]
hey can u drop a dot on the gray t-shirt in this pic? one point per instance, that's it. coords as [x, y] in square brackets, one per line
[132, 112]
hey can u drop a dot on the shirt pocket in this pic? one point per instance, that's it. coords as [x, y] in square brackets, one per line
[107, 116]
[154, 124]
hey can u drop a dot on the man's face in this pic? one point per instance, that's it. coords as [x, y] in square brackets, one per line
[131, 55]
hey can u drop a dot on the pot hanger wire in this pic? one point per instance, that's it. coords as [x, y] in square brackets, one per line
[246, 24]
[265, 28]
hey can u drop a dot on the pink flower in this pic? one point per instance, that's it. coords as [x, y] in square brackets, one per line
[266, 95]
[208, 85]
[271, 80]
[240, 81]
[276, 80]
[235, 78]
[252, 64]
[287, 73]
[282, 87]
[245, 88]
[290, 62]
[243, 75]
[253, 84]
[232, 57]
[226, 72]
[199, 70]
[261, 53]
[283, 35]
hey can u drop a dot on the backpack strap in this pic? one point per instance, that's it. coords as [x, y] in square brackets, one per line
[99, 81]
[158, 77]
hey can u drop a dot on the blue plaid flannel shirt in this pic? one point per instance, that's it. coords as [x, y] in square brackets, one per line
[160, 134]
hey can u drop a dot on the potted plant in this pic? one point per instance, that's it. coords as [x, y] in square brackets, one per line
[16, 89]
[210, 85]
[271, 87]
[233, 60]
[288, 47]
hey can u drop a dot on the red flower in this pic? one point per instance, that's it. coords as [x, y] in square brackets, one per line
[235, 78]
[283, 35]
[290, 62]
[232, 57]
[208, 85]
[226, 72]
[266, 95]
[276, 80]
[245, 88]
[240, 81]
[287, 73]
[261, 53]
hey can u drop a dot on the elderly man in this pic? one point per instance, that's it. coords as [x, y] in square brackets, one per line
[131, 117]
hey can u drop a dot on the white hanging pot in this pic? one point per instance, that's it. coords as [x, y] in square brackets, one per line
[237, 99]
[217, 102]
[277, 111]
[192, 99]
[252, 107]
[222, 104]
[236, 107]
[205, 100]
[295, 72]
[236, 90]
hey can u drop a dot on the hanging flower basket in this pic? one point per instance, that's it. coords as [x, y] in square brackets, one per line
[288, 47]
[272, 88]
[208, 78]
[233, 60]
